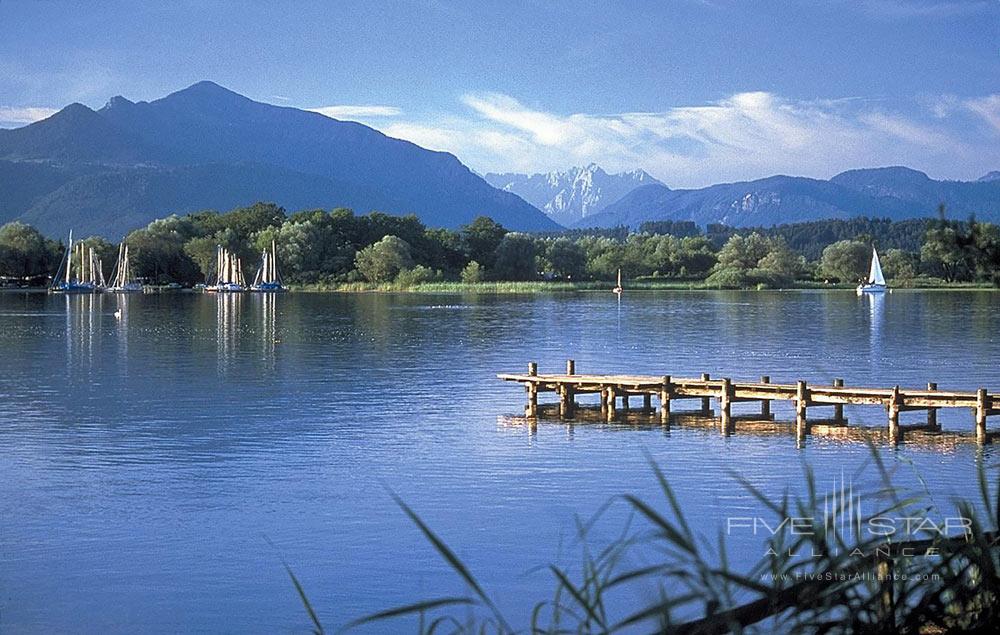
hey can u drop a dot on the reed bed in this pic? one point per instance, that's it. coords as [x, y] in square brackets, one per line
[923, 582]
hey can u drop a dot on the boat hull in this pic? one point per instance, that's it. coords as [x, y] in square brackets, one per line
[71, 288]
[872, 288]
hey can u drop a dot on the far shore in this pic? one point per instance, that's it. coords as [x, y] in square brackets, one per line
[526, 287]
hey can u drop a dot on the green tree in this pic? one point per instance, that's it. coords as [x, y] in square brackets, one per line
[382, 261]
[846, 260]
[901, 265]
[781, 264]
[472, 273]
[515, 258]
[24, 251]
[480, 239]
[566, 258]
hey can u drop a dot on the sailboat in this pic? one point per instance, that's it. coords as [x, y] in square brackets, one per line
[267, 278]
[228, 273]
[618, 287]
[122, 280]
[876, 281]
[85, 275]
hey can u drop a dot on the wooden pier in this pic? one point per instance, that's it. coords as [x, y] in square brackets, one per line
[666, 390]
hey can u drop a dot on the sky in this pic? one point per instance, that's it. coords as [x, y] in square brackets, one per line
[693, 91]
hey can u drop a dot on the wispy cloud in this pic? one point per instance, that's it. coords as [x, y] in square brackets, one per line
[746, 135]
[20, 115]
[986, 107]
[349, 112]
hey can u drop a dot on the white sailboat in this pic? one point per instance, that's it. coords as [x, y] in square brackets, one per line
[618, 287]
[228, 273]
[122, 280]
[876, 281]
[267, 278]
[80, 271]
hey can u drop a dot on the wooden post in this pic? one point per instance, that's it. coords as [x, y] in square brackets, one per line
[982, 407]
[665, 400]
[894, 403]
[624, 401]
[610, 400]
[801, 403]
[531, 410]
[647, 403]
[765, 405]
[706, 404]
[567, 405]
[604, 401]
[838, 409]
[932, 412]
[725, 404]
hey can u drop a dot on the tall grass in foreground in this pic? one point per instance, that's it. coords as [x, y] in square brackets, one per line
[921, 582]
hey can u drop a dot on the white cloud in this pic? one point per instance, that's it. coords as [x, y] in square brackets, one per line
[987, 107]
[352, 112]
[744, 136]
[21, 115]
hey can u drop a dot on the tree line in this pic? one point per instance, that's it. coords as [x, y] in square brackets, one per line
[334, 247]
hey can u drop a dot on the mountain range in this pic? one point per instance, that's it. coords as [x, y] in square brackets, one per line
[571, 196]
[891, 192]
[111, 170]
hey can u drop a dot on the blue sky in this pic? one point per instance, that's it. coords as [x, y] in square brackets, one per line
[692, 91]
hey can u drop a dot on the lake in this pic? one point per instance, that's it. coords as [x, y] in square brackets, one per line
[158, 467]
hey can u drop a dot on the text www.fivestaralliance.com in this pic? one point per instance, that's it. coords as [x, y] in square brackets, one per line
[845, 577]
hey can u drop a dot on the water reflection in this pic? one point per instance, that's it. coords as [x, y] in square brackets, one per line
[227, 328]
[157, 449]
[83, 332]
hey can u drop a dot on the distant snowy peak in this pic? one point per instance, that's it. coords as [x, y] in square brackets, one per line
[567, 197]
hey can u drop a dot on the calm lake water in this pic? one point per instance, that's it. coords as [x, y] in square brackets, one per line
[157, 467]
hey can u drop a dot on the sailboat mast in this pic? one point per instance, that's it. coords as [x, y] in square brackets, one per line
[69, 258]
[274, 262]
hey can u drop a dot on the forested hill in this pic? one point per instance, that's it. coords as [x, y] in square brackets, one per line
[205, 147]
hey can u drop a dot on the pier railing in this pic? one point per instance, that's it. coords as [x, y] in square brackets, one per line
[802, 395]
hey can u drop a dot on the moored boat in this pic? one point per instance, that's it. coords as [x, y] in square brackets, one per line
[79, 272]
[122, 280]
[267, 278]
[876, 281]
[228, 273]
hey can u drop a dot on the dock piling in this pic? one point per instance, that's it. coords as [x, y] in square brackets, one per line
[838, 410]
[531, 410]
[726, 404]
[932, 412]
[895, 401]
[765, 404]
[567, 403]
[982, 408]
[706, 404]
[665, 400]
[801, 403]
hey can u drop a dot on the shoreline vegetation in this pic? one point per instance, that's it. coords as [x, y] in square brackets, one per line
[337, 250]
[909, 566]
